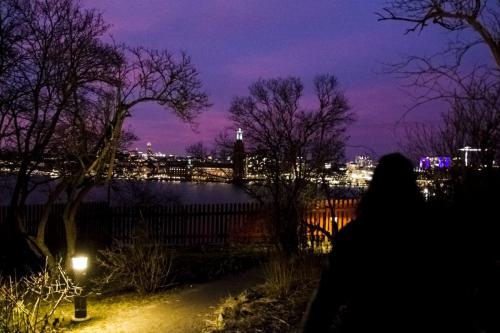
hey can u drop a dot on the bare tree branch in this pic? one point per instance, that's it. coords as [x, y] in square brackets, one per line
[480, 16]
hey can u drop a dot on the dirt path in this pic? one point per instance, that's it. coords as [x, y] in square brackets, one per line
[182, 311]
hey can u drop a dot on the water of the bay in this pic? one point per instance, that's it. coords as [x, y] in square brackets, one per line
[142, 192]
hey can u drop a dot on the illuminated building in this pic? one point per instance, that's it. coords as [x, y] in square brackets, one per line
[441, 162]
[149, 149]
[212, 172]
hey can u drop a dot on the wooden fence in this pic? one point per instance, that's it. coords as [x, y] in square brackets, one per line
[176, 225]
[184, 224]
[320, 213]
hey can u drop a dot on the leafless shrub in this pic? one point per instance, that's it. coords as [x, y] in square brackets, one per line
[28, 304]
[142, 264]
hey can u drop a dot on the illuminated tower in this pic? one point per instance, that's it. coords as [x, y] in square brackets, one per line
[149, 150]
[239, 158]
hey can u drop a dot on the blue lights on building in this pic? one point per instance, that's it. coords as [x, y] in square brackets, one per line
[441, 162]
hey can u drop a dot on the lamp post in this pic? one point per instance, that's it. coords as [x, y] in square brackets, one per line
[80, 264]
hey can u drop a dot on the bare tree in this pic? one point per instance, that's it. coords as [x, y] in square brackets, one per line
[223, 145]
[10, 34]
[473, 120]
[289, 145]
[480, 16]
[197, 151]
[58, 54]
[144, 76]
[71, 93]
[445, 75]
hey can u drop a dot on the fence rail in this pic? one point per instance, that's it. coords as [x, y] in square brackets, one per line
[179, 225]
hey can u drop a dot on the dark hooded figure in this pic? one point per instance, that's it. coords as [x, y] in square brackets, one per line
[384, 274]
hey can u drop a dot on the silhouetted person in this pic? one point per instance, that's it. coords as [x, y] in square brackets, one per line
[388, 271]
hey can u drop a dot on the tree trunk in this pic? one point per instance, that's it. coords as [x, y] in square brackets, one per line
[69, 217]
[45, 251]
[39, 240]
[70, 229]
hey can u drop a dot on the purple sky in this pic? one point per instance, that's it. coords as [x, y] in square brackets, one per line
[234, 42]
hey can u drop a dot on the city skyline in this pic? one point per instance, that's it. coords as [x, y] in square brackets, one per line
[234, 43]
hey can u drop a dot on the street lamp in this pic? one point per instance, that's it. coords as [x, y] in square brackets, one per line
[80, 264]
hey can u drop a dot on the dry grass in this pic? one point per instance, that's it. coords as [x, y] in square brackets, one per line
[283, 275]
[276, 306]
[255, 311]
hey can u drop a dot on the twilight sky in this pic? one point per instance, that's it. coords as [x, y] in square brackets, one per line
[235, 42]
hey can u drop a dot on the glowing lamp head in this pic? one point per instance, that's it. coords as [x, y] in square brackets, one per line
[79, 263]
